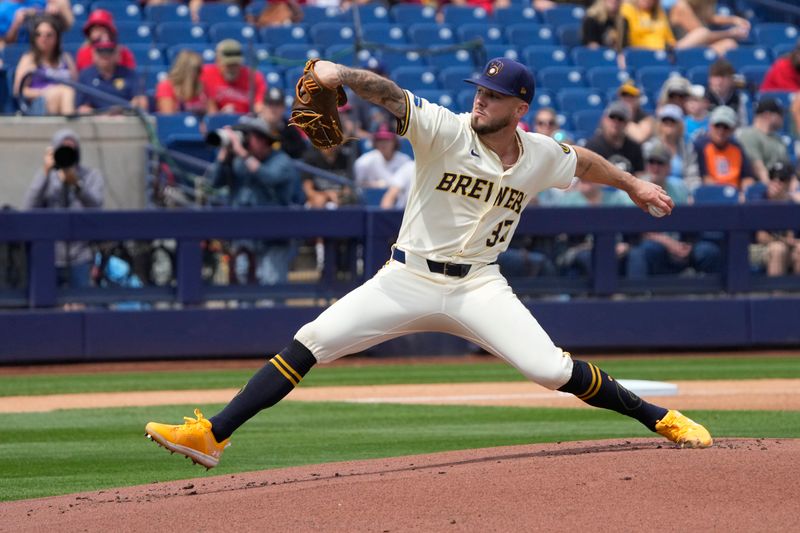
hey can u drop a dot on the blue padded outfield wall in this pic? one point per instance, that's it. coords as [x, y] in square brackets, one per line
[738, 309]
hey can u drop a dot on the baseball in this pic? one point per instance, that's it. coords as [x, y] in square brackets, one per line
[655, 211]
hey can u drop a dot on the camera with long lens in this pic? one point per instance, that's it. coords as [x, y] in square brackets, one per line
[781, 172]
[65, 157]
[223, 138]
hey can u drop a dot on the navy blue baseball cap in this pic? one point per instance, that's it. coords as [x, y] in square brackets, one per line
[506, 76]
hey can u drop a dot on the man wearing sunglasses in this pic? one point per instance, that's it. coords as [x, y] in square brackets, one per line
[761, 141]
[611, 141]
[107, 75]
[720, 159]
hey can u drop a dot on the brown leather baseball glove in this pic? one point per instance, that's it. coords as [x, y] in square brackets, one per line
[315, 109]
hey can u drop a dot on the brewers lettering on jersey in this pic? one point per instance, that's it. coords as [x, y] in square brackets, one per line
[475, 174]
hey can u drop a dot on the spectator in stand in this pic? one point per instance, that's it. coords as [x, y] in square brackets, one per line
[601, 25]
[611, 142]
[64, 183]
[778, 252]
[17, 16]
[274, 114]
[784, 74]
[108, 76]
[374, 169]
[669, 135]
[399, 186]
[697, 23]
[642, 124]
[645, 25]
[322, 192]
[229, 85]
[255, 172]
[676, 91]
[668, 253]
[722, 89]
[545, 121]
[182, 91]
[696, 120]
[762, 142]
[46, 60]
[100, 27]
[720, 159]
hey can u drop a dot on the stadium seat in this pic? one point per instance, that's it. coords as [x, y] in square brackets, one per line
[563, 14]
[412, 13]
[299, 53]
[147, 55]
[489, 33]
[206, 51]
[448, 59]
[158, 13]
[501, 50]
[213, 12]
[254, 9]
[170, 33]
[464, 99]
[345, 54]
[75, 35]
[636, 58]
[329, 33]
[716, 194]
[274, 76]
[416, 78]
[516, 14]
[176, 124]
[755, 192]
[384, 33]
[278, 35]
[694, 57]
[456, 15]
[232, 30]
[586, 119]
[220, 120]
[569, 35]
[372, 13]
[544, 98]
[771, 34]
[315, 14]
[606, 78]
[426, 34]
[291, 75]
[135, 32]
[263, 53]
[538, 57]
[749, 55]
[452, 78]
[781, 50]
[526, 34]
[443, 98]
[398, 58]
[576, 98]
[151, 75]
[583, 56]
[754, 75]
[557, 78]
[372, 196]
[122, 11]
[652, 78]
[698, 75]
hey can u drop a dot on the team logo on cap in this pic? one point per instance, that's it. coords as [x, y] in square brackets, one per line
[494, 68]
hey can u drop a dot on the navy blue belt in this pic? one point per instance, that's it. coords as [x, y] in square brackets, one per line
[448, 269]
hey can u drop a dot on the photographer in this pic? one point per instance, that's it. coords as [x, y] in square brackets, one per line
[256, 173]
[778, 252]
[64, 183]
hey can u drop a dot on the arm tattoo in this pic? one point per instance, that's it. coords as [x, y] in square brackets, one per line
[377, 89]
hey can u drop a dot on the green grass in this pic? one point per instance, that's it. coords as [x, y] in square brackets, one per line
[44, 454]
[668, 368]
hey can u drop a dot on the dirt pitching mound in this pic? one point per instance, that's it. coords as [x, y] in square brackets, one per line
[632, 485]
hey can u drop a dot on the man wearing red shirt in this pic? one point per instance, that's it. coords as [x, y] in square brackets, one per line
[784, 74]
[227, 83]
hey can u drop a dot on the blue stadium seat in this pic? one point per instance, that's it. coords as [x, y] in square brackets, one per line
[447, 59]
[412, 13]
[80, 10]
[583, 56]
[749, 55]
[652, 78]
[384, 33]
[781, 49]
[427, 34]
[456, 15]
[345, 54]
[263, 53]
[216, 12]
[698, 75]
[170, 33]
[147, 55]
[135, 32]
[754, 75]
[122, 11]
[274, 76]
[587, 119]
[569, 35]
[563, 14]
[490, 33]
[372, 13]
[74, 35]
[176, 124]
[516, 14]
[372, 196]
[329, 33]
[755, 192]
[206, 51]
[557, 78]
[315, 14]
[694, 57]
[291, 75]
[297, 52]
[452, 78]
[464, 99]
[716, 194]
[636, 58]
[770, 34]
[606, 78]
[398, 58]
[278, 35]
[233, 30]
[580, 98]
[538, 57]
[416, 78]
[151, 75]
[220, 120]
[443, 98]
[526, 34]
[158, 13]
[254, 9]
[501, 50]
[544, 98]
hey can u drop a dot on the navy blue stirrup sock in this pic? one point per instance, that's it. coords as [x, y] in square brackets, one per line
[267, 387]
[595, 387]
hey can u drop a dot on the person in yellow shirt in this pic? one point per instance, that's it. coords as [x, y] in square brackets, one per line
[645, 25]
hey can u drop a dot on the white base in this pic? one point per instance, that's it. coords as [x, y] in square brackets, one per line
[642, 387]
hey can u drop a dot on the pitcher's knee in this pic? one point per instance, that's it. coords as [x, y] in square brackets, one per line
[550, 371]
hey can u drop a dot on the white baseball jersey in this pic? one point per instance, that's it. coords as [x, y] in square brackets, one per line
[462, 208]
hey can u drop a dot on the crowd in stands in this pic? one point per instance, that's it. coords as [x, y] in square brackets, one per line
[692, 94]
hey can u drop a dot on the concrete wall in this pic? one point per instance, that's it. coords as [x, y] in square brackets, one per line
[113, 145]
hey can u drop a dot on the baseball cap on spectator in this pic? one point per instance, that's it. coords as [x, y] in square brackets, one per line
[619, 109]
[670, 111]
[229, 52]
[769, 105]
[275, 96]
[723, 115]
[676, 86]
[658, 152]
[100, 17]
[697, 91]
[506, 76]
[256, 125]
[628, 89]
